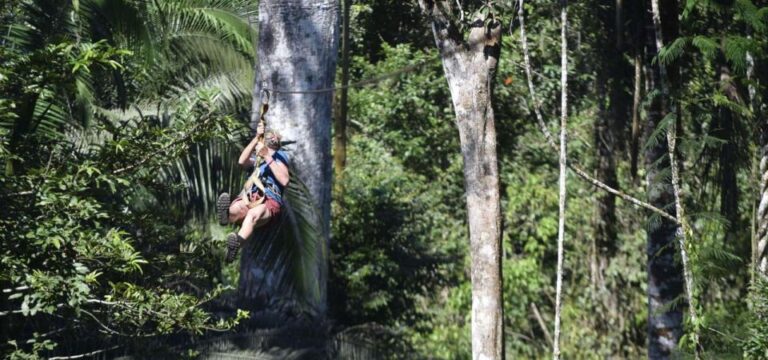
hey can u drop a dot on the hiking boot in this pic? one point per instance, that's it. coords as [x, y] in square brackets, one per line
[222, 209]
[233, 245]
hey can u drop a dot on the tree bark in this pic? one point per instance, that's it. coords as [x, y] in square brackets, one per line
[470, 67]
[761, 251]
[665, 274]
[727, 157]
[670, 106]
[298, 46]
[340, 122]
[608, 127]
[636, 96]
[563, 172]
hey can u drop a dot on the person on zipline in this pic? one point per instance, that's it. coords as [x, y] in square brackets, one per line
[251, 211]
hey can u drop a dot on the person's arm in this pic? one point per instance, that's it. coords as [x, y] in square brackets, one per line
[245, 156]
[278, 168]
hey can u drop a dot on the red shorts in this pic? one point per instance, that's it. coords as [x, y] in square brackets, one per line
[272, 205]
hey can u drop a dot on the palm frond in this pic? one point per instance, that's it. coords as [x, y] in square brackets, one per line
[659, 134]
[50, 117]
[736, 48]
[291, 249]
[750, 14]
[208, 169]
[706, 45]
[673, 51]
[121, 21]
[224, 19]
[234, 89]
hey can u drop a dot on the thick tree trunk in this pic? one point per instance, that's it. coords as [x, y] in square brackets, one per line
[761, 251]
[607, 133]
[298, 46]
[725, 130]
[665, 273]
[469, 68]
[762, 210]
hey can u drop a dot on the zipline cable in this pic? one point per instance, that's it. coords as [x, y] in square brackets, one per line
[362, 83]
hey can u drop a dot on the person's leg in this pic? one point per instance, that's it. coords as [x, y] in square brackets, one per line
[256, 217]
[238, 210]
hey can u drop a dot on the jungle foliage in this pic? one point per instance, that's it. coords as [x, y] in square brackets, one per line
[120, 120]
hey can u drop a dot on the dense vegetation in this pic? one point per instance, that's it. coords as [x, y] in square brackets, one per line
[120, 120]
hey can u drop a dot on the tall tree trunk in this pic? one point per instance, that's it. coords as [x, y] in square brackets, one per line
[665, 273]
[607, 132]
[298, 46]
[636, 97]
[563, 172]
[669, 106]
[470, 67]
[761, 251]
[725, 130]
[762, 210]
[340, 121]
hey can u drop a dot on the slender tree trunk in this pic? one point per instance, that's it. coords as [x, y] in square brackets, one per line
[21, 128]
[636, 96]
[340, 122]
[298, 46]
[563, 172]
[469, 68]
[665, 274]
[669, 106]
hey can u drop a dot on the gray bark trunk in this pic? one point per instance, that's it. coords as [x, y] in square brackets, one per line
[761, 252]
[563, 172]
[298, 44]
[469, 68]
[762, 209]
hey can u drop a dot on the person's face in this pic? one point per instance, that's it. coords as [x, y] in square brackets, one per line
[272, 141]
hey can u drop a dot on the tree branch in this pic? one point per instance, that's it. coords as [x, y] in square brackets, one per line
[16, 289]
[447, 36]
[542, 324]
[80, 356]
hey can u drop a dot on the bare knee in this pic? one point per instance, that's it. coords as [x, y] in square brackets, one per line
[256, 213]
[237, 211]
